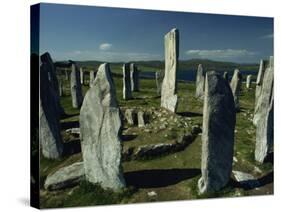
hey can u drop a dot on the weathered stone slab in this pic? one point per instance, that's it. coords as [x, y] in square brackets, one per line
[100, 125]
[73, 131]
[246, 180]
[259, 82]
[66, 74]
[249, 81]
[131, 116]
[264, 116]
[134, 72]
[61, 91]
[217, 134]
[200, 81]
[75, 87]
[52, 77]
[225, 76]
[235, 84]
[49, 134]
[65, 177]
[81, 76]
[92, 78]
[127, 93]
[169, 98]
[141, 119]
[159, 76]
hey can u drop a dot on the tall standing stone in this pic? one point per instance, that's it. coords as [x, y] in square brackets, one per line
[249, 81]
[61, 88]
[141, 119]
[159, 75]
[100, 125]
[52, 77]
[66, 74]
[49, 135]
[235, 84]
[81, 76]
[135, 80]
[225, 76]
[169, 98]
[75, 87]
[92, 78]
[200, 81]
[264, 117]
[127, 93]
[259, 82]
[219, 119]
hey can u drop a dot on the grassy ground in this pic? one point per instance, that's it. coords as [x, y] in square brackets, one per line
[173, 176]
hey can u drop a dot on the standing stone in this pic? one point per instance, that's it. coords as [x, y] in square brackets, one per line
[159, 75]
[131, 116]
[169, 98]
[225, 76]
[61, 88]
[49, 135]
[100, 125]
[52, 77]
[264, 117]
[219, 119]
[127, 94]
[81, 76]
[141, 119]
[200, 81]
[259, 82]
[134, 72]
[235, 84]
[249, 81]
[92, 78]
[75, 87]
[66, 74]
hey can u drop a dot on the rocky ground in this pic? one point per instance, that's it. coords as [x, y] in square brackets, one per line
[161, 161]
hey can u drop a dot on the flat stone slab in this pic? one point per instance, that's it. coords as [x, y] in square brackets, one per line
[65, 177]
[73, 130]
[246, 180]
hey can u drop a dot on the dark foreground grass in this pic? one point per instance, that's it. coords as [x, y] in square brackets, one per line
[88, 194]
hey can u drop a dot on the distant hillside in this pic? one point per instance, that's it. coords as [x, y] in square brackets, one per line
[184, 65]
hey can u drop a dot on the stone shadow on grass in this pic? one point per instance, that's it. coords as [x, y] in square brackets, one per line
[64, 116]
[269, 158]
[159, 177]
[126, 138]
[70, 124]
[71, 147]
[190, 114]
[255, 183]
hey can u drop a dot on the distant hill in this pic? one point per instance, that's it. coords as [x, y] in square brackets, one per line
[184, 65]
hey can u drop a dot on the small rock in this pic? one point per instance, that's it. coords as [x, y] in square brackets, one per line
[162, 127]
[147, 130]
[257, 170]
[152, 194]
[196, 130]
[73, 131]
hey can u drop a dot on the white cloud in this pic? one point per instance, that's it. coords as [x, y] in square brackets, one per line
[220, 54]
[77, 52]
[268, 36]
[105, 46]
[107, 56]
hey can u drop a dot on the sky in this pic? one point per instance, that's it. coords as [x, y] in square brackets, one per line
[122, 35]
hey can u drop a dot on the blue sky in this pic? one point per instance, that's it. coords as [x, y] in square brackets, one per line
[114, 34]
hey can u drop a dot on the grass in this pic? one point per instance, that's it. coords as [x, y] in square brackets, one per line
[173, 176]
[87, 194]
